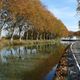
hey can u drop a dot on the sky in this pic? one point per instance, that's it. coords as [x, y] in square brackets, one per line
[65, 10]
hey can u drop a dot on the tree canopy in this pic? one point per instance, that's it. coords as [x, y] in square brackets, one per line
[42, 20]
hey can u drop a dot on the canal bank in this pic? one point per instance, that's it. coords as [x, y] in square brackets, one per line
[62, 67]
[6, 42]
[69, 65]
[59, 68]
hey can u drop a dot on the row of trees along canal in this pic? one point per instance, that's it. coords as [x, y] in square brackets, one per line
[29, 19]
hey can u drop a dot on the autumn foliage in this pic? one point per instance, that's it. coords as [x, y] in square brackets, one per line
[44, 22]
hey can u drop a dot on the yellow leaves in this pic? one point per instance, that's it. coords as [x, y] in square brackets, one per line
[42, 19]
[0, 4]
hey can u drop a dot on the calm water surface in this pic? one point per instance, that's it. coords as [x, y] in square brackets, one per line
[29, 62]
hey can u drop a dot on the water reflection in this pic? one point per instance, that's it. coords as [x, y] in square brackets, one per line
[51, 74]
[22, 52]
[28, 62]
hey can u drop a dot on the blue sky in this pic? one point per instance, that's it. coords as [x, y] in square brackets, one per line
[64, 10]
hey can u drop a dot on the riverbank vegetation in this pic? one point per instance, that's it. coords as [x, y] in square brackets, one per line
[6, 42]
[29, 20]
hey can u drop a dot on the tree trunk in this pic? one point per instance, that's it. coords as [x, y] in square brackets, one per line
[44, 35]
[37, 35]
[0, 34]
[27, 36]
[21, 36]
[32, 35]
[12, 38]
[20, 39]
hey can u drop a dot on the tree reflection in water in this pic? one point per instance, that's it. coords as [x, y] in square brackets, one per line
[28, 62]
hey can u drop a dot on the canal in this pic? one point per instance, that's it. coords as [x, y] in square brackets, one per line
[36, 62]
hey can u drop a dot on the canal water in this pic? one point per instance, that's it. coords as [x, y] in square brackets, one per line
[36, 62]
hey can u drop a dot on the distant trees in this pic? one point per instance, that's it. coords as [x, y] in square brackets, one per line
[72, 33]
[29, 19]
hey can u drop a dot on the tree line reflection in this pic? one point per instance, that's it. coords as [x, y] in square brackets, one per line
[23, 52]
